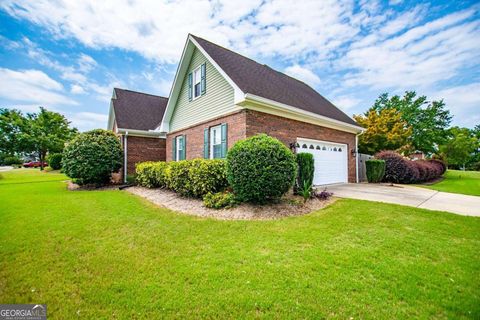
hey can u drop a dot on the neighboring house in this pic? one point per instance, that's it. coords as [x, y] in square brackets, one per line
[219, 97]
[133, 117]
[417, 155]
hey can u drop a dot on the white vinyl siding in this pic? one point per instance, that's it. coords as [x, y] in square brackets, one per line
[217, 100]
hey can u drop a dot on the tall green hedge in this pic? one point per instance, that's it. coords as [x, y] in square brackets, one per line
[306, 168]
[151, 174]
[260, 168]
[375, 170]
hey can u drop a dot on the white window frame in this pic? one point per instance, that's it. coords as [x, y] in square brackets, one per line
[194, 79]
[177, 148]
[212, 141]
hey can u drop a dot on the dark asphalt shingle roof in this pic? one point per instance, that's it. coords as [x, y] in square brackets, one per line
[137, 110]
[261, 80]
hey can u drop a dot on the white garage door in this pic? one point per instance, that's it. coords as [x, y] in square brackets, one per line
[331, 161]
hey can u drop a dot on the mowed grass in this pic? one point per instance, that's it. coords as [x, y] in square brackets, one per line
[456, 181]
[109, 254]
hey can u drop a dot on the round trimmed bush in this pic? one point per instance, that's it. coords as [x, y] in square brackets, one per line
[260, 168]
[91, 157]
[375, 170]
[54, 161]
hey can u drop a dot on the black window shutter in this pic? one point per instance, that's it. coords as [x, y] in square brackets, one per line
[203, 82]
[190, 83]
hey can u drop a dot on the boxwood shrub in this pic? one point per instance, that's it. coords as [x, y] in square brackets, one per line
[260, 168]
[375, 170]
[306, 168]
[54, 161]
[91, 157]
[196, 178]
[151, 174]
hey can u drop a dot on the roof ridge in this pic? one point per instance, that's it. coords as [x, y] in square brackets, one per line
[144, 93]
[260, 64]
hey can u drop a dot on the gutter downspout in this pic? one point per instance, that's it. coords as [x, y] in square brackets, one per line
[358, 156]
[125, 157]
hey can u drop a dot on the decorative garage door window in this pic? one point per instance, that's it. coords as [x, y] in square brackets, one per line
[330, 158]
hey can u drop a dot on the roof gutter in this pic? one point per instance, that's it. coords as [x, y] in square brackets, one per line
[278, 105]
[141, 133]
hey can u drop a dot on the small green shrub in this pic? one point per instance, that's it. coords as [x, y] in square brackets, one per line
[306, 169]
[48, 169]
[151, 174]
[207, 176]
[196, 178]
[260, 169]
[375, 170]
[219, 200]
[54, 160]
[305, 191]
[177, 177]
[12, 160]
[91, 157]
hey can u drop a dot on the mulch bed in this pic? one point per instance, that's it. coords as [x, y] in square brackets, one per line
[288, 206]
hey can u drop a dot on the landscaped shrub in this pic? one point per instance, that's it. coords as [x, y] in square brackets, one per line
[54, 161]
[322, 195]
[306, 169]
[151, 174]
[397, 168]
[207, 176]
[401, 170]
[11, 160]
[260, 168]
[91, 157]
[219, 200]
[196, 178]
[375, 170]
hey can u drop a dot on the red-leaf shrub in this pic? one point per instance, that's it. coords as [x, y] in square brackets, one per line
[402, 170]
[397, 168]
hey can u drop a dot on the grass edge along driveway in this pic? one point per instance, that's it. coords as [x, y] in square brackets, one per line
[456, 181]
[109, 254]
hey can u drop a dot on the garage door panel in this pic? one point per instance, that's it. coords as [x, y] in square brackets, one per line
[330, 160]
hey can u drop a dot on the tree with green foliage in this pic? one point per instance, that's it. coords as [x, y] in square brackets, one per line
[45, 132]
[461, 146]
[384, 130]
[12, 125]
[429, 120]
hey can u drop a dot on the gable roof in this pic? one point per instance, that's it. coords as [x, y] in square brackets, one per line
[137, 110]
[263, 81]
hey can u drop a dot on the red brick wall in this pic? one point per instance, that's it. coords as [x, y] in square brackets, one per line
[140, 149]
[194, 134]
[287, 130]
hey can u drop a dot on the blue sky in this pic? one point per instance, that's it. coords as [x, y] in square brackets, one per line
[68, 55]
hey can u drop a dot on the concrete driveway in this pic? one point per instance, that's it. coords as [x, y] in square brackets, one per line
[5, 168]
[410, 196]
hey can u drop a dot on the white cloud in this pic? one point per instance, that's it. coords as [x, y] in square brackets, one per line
[76, 89]
[88, 120]
[303, 74]
[346, 103]
[32, 86]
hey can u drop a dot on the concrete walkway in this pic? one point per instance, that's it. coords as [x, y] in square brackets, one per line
[6, 168]
[410, 196]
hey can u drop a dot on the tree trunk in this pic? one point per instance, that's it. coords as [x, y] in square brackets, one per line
[42, 157]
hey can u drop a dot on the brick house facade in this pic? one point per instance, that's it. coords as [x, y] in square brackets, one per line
[140, 149]
[247, 123]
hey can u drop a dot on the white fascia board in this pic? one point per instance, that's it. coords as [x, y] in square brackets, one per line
[142, 133]
[111, 117]
[326, 121]
[187, 53]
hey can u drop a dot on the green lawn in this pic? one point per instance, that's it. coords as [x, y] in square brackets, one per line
[109, 254]
[456, 181]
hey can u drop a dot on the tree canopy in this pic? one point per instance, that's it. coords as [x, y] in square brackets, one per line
[385, 130]
[428, 120]
[462, 147]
